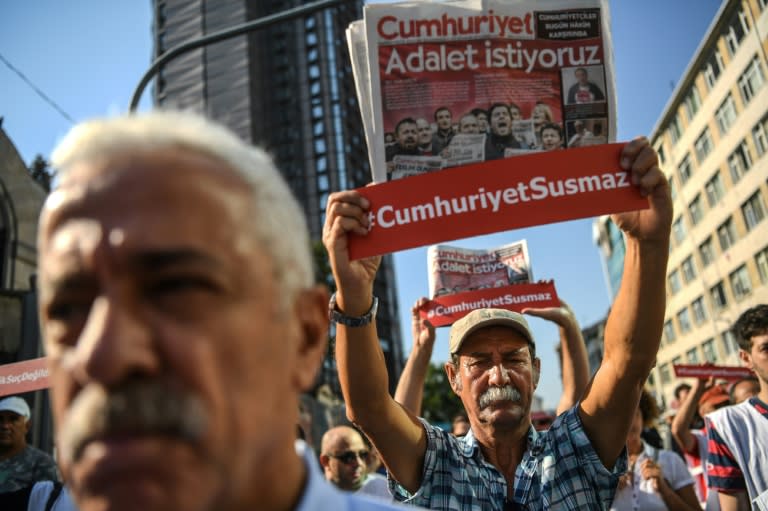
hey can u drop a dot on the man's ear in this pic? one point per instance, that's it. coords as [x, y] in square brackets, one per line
[311, 311]
[746, 359]
[536, 371]
[453, 377]
[324, 460]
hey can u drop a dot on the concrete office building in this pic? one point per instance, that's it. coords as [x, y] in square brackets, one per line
[713, 141]
[288, 88]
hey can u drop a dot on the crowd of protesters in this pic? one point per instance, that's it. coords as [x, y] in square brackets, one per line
[181, 325]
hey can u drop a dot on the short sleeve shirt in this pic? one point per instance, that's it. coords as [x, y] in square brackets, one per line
[559, 470]
[641, 494]
[25, 469]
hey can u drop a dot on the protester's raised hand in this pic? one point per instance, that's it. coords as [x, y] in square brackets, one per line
[347, 212]
[652, 224]
[423, 331]
[562, 315]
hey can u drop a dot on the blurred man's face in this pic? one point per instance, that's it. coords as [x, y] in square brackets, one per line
[160, 318]
[515, 113]
[756, 359]
[550, 139]
[13, 430]
[468, 124]
[407, 135]
[345, 462]
[424, 132]
[745, 390]
[581, 76]
[501, 122]
[443, 119]
[482, 122]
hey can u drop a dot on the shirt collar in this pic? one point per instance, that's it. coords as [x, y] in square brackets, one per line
[469, 446]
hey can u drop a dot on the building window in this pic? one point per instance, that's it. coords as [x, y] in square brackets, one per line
[761, 261]
[741, 285]
[678, 229]
[717, 293]
[740, 161]
[751, 80]
[675, 132]
[673, 279]
[762, 4]
[692, 102]
[689, 270]
[707, 252]
[709, 350]
[714, 189]
[669, 331]
[699, 310]
[672, 188]
[726, 233]
[684, 320]
[726, 114]
[703, 145]
[753, 210]
[713, 68]
[692, 355]
[729, 342]
[760, 136]
[735, 31]
[660, 152]
[664, 374]
[694, 209]
[685, 169]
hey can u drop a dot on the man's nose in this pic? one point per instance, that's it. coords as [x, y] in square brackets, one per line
[115, 344]
[498, 375]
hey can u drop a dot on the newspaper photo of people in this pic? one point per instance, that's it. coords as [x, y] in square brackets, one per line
[447, 85]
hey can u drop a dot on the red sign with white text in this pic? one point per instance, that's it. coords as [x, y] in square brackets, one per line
[707, 370]
[446, 309]
[523, 191]
[23, 376]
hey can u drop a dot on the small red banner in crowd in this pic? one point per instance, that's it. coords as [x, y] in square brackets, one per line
[707, 370]
[495, 196]
[446, 309]
[23, 376]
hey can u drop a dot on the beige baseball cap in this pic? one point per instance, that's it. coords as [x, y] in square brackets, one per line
[481, 318]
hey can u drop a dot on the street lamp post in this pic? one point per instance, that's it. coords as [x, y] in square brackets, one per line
[222, 35]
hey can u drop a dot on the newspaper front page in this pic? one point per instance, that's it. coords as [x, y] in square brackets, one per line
[515, 76]
[455, 270]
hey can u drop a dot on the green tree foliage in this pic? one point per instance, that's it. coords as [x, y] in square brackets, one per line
[41, 172]
[440, 403]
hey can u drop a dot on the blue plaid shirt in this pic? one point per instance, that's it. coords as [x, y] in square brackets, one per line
[560, 470]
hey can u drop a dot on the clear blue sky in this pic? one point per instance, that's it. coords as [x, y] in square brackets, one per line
[88, 55]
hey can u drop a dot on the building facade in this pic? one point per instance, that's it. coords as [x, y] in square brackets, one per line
[288, 88]
[712, 138]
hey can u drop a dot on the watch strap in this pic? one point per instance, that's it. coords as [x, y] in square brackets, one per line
[337, 316]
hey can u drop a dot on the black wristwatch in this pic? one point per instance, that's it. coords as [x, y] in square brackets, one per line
[339, 317]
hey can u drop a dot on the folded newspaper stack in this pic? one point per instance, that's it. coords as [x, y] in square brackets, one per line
[454, 269]
[444, 84]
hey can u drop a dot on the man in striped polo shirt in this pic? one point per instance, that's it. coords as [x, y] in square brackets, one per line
[737, 459]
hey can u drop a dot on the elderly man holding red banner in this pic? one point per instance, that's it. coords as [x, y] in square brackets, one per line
[503, 463]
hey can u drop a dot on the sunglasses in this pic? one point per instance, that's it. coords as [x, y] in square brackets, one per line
[348, 457]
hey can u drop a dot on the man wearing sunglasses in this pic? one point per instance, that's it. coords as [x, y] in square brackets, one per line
[344, 458]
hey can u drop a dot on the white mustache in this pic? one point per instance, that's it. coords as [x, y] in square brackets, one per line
[495, 394]
[136, 408]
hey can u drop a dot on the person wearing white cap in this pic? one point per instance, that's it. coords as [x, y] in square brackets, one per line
[503, 463]
[21, 465]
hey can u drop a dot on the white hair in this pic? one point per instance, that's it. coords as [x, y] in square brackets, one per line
[278, 221]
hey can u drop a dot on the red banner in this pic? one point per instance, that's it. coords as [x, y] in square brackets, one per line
[445, 310]
[495, 196]
[707, 370]
[23, 376]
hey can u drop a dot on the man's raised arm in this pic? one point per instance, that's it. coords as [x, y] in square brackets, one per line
[397, 434]
[633, 330]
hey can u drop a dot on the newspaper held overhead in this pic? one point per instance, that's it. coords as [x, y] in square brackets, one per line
[514, 76]
[454, 269]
